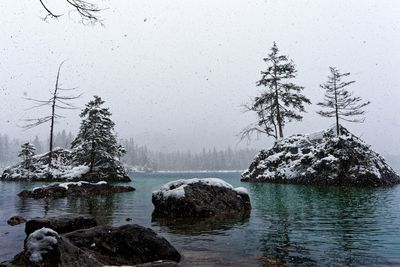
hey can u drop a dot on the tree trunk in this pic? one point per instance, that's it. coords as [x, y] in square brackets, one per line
[336, 106]
[278, 112]
[53, 108]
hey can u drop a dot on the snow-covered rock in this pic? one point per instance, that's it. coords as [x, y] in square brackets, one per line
[81, 188]
[41, 242]
[195, 197]
[322, 158]
[63, 169]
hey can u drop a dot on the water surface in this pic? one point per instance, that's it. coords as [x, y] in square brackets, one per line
[289, 225]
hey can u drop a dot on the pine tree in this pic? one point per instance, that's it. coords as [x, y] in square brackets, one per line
[340, 101]
[96, 145]
[26, 153]
[282, 100]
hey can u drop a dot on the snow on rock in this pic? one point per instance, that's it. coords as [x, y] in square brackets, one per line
[241, 190]
[81, 188]
[41, 242]
[176, 188]
[321, 158]
[205, 197]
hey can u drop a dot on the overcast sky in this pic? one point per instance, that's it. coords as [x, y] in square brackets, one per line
[174, 73]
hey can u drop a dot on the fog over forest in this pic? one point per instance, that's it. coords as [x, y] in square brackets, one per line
[175, 73]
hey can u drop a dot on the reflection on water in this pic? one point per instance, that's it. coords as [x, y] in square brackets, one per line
[289, 224]
[200, 226]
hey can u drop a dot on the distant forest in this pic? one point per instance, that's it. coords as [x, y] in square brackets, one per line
[139, 157]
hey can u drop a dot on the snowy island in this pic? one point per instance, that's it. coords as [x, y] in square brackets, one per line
[322, 158]
[63, 169]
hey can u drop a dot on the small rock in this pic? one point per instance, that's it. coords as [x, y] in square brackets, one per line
[15, 220]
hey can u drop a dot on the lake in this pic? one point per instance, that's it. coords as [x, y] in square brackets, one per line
[289, 224]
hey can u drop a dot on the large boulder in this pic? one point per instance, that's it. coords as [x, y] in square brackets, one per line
[63, 169]
[46, 248]
[321, 158]
[206, 197]
[60, 224]
[125, 245]
[82, 188]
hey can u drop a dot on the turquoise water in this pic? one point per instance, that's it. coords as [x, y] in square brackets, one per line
[289, 225]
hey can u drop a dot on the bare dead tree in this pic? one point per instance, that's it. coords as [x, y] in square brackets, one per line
[88, 11]
[56, 101]
[340, 102]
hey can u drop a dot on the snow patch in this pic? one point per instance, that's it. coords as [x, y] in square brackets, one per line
[67, 184]
[40, 242]
[176, 189]
[241, 190]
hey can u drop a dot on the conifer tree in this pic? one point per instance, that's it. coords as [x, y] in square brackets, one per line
[340, 102]
[282, 101]
[26, 153]
[96, 144]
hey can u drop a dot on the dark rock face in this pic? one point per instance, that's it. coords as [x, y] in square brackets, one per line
[199, 200]
[15, 220]
[321, 159]
[61, 224]
[64, 169]
[58, 190]
[125, 245]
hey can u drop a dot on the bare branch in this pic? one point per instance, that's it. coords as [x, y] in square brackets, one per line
[89, 12]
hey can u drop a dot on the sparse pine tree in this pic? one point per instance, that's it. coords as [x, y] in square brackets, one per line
[340, 102]
[282, 100]
[26, 153]
[96, 145]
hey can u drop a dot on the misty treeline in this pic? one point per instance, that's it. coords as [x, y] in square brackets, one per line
[207, 159]
[282, 101]
[10, 147]
[139, 156]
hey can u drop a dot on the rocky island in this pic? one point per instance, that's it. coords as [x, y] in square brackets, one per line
[63, 169]
[321, 158]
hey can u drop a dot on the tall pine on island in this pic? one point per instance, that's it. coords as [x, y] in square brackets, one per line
[96, 144]
[281, 101]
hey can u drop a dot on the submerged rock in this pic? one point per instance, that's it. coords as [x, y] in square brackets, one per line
[125, 245]
[82, 188]
[15, 220]
[200, 198]
[321, 158]
[61, 224]
[63, 169]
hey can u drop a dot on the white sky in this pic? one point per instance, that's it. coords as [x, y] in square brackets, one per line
[177, 80]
